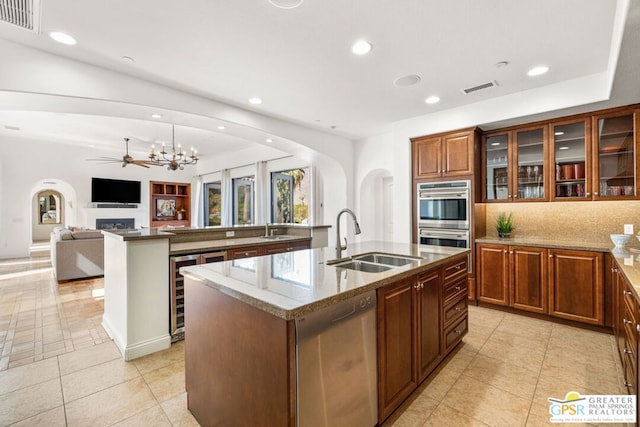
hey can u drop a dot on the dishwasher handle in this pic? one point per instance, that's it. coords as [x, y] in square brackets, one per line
[316, 321]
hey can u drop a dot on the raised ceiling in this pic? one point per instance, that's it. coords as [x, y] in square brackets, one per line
[299, 60]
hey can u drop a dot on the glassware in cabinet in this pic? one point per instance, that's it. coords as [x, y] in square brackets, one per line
[496, 154]
[530, 154]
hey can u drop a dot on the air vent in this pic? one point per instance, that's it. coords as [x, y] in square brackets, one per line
[483, 86]
[22, 13]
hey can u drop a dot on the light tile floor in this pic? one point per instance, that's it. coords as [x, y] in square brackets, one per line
[58, 366]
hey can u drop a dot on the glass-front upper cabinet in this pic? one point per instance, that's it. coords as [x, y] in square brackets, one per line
[616, 157]
[530, 154]
[496, 167]
[570, 157]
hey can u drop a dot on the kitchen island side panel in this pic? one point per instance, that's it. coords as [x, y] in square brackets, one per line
[239, 361]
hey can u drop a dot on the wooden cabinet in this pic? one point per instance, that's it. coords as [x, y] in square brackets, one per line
[515, 165]
[444, 155]
[397, 370]
[576, 290]
[615, 149]
[625, 330]
[570, 156]
[492, 275]
[413, 335]
[270, 249]
[592, 156]
[429, 325]
[513, 276]
[563, 283]
[528, 278]
[169, 204]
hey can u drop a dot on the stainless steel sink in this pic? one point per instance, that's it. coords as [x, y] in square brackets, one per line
[367, 267]
[275, 237]
[386, 259]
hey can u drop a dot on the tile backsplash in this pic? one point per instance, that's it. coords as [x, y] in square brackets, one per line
[575, 221]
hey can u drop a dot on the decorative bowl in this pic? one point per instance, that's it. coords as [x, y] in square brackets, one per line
[620, 239]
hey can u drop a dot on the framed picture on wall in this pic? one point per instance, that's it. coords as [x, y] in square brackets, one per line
[165, 207]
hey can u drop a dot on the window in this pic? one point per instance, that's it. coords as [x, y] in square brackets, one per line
[289, 191]
[213, 204]
[243, 200]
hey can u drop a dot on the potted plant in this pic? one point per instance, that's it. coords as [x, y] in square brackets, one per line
[504, 224]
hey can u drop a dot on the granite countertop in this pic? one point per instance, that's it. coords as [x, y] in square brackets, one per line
[628, 260]
[218, 244]
[597, 245]
[290, 285]
[142, 234]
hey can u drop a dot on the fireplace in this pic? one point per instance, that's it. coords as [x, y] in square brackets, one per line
[115, 223]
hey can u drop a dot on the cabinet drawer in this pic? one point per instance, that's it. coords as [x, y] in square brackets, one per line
[630, 301]
[455, 289]
[455, 310]
[455, 270]
[454, 334]
[243, 253]
[629, 368]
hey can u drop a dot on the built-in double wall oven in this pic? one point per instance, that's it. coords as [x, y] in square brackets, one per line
[444, 213]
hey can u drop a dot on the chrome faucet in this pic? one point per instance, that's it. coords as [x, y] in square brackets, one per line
[266, 230]
[339, 246]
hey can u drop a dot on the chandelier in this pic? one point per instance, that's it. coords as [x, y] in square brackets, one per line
[177, 159]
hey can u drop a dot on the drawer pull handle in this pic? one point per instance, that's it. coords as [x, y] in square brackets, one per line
[626, 321]
[458, 331]
[625, 292]
[458, 288]
[460, 308]
[638, 328]
[627, 351]
[627, 383]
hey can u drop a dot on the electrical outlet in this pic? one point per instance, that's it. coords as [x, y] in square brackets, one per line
[231, 233]
[628, 229]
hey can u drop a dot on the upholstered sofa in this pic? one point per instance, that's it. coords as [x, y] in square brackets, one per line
[77, 254]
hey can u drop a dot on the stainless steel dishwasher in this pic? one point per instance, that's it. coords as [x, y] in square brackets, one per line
[337, 365]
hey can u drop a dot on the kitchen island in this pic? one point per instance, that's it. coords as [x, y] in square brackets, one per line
[242, 358]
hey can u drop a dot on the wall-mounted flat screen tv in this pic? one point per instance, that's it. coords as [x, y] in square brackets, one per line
[105, 190]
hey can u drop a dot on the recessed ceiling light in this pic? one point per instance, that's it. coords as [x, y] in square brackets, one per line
[269, 140]
[538, 70]
[361, 47]
[564, 147]
[63, 38]
[495, 144]
[286, 4]
[221, 127]
[405, 81]
[502, 64]
[128, 59]
[156, 116]
[255, 100]
[9, 127]
[559, 133]
[432, 100]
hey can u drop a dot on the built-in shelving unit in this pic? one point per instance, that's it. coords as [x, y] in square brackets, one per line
[169, 203]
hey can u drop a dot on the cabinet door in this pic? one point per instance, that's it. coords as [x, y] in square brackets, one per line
[528, 284]
[429, 295]
[397, 376]
[619, 310]
[495, 170]
[458, 153]
[427, 158]
[571, 159]
[492, 280]
[576, 285]
[616, 155]
[529, 164]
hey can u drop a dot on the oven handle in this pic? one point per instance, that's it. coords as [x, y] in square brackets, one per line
[442, 195]
[460, 234]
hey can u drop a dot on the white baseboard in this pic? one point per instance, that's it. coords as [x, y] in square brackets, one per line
[134, 350]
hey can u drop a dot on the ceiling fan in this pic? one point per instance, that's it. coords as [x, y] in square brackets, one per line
[126, 159]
